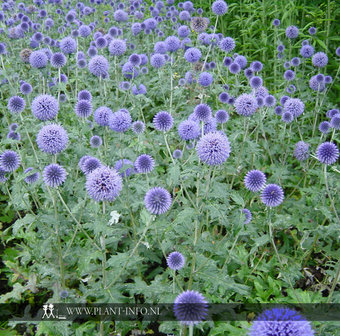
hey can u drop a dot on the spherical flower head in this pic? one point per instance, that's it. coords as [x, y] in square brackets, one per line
[157, 60]
[221, 116]
[172, 43]
[58, 60]
[295, 106]
[292, 32]
[272, 195]
[330, 113]
[83, 108]
[316, 85]
[45, 107]
[177, 154]
[52, 139]
[234, 68]
[261, 92]
[337, 51]
[32, 177]
[255, 82]
[296, 61]
[324, 127]
[103, 184]
[307, 51]
[84, 95]
[68, 45]
[138, 127]
[129, 70]
[227, 44]
[245, 105]
[327, 153]
[205, 79]
[202, 112]
[117, 47]
[99, 66]
[256, 66]
[38, 59]
[219, 7]
[157, 200]
[3, 177]
[199, 24]
[175, 260]
[255, 180]
[190, 307]
[54, 175]
[90, 164]
[248, 216]
[163, 121]
[144, 164]
[287, 117]
[26, 88]
[189, 129]
[16, 104]
[270, 101]
[96, 141]
[335, 122]
[102, 115]
[13, 135]
[241, 61]
[280, 321]
[213, 148]
[278, 110]
[301, 151]
[289, 75]
[120, 121]
[9, 161]
[210, 125]
[320, 59]
[192, 55]
[276, 22]
[13, 127]
[328, 79]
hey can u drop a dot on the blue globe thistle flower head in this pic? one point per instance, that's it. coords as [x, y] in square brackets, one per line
[192, 55]
[160, 47]
[280, 321]
[172, 43]
[296, 61]
[255, 82]
[101, 42]
[307, 51]
[301, 151]
[104, 184]
[324, 127]
[96, 141]
[3, 177]
[331, 113]
[45, 107]
[58, 60]
[120, 121]
[190, 307]
[14, 136]
[157, 200]
[289, 75]
[175, 260]
[92, 51]
[255, 180]
[84, 95]
[337, 52]
[227, 44]
[219, 7]
[280, 48]
[213, 148]
[184, 16]
[328, 79]
[32, 177]
[221, 116]
[335, 122]
[189, 130]
[117, 47]
[202, 112]
[102, 115]
[276, 22]
[316, 85]
[177, 154]
[38, 59]
[13, 127]
[262, 92]
[84, 30]
[90, 164]
[129, 70]
[124, 167]
[120, 15]
[248, 73]
[223, 97]
[163, 121]
[248, 216]
[295, 106]
[9, 161]
[210, 125]
[99, 66]
[272, 195]
[183, 31]
[83, 108]
[312, 30]
[256, 66]
[144, 164]
[68, 45]
[135, 59]
[16, 104]
[320, 59]
[270, 101]
[327, 153]
[81, 63]
[157, 60]
[54, 175]
[292, 32]
[52, 139]
[287, 117]
[234, 68]
[278, 110]
[26, 88]
[205, 79]
[241, 61]
[138, 127]
[245, 105]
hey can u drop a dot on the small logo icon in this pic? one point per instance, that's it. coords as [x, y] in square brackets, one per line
[48, 311]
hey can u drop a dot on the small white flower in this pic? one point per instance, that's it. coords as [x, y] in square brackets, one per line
[114, 217]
